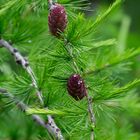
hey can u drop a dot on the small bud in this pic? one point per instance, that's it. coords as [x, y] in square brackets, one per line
[57, 19]
[76, 87]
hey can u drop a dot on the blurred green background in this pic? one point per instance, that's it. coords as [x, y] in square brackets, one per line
[123, 24]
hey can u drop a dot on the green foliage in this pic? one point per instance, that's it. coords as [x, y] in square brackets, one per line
[53, 60]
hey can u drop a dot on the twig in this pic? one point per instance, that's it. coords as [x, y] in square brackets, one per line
[70, 53]
[89, 99]
[50, 2]
[91, 115]
[25, 64]
[3, 91]
[50, 125]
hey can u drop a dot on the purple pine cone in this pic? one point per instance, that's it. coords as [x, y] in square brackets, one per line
[57, 19]
[76, 87]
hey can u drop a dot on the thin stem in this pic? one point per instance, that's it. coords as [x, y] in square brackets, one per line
[50, 125]
[3, 91]
[89, 99]
[50, 2]
[91, 115]
[70, 52]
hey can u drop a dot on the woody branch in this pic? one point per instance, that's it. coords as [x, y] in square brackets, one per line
[25, 65]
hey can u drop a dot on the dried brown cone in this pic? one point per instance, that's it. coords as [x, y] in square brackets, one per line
[76, 87]
[57, 19]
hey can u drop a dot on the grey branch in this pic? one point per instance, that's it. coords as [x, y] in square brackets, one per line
[50, 125]
[24, 63]
[3, 90]
[91, 115]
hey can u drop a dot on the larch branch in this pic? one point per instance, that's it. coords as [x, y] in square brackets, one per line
[52, 127]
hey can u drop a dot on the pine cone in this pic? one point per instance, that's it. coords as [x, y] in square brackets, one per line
[76, 87]
[57, 19]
